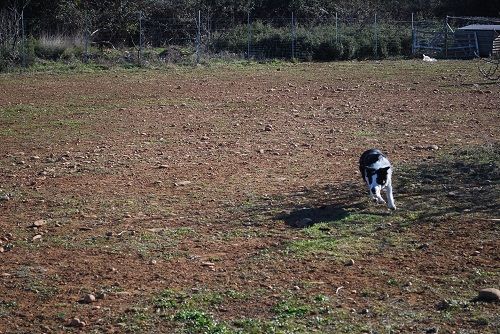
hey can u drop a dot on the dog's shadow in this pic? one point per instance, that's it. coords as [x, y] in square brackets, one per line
[305, 217]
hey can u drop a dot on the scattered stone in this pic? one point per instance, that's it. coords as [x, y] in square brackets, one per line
[208, 264]
[423, 246]
[4, 198]
[37, 237]
[153, 262]
[46, 328]
[156, 229]
[2, 250]
[88, 298]
[75, 322]
[349, 263]
[433, 147]
[39, 223]
[488, 295]
[100, 295]
[163, 166]
[268, 127]
[432, 330]
[182, 183]
[302, 223]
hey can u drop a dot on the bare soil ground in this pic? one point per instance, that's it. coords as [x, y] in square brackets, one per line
[172, 195]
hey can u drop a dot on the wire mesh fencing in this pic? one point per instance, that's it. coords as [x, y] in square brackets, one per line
[140, 39]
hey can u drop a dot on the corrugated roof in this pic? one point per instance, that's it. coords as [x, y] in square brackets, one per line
[481, 27]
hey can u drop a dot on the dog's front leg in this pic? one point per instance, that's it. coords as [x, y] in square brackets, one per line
[390, 198]
[376, 195]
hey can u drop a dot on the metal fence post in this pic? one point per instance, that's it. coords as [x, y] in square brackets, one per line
[293, 37]
[140, 38]
[336, 29]
[376, 38]
[198, 37]
[249, 37]
[23, 41]
[412, 36]
[446, 37]
[86, 37]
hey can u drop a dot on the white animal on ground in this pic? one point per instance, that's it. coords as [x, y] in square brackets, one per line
[429, 59]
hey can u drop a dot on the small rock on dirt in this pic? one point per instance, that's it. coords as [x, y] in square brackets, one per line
[4, 198]
[349, 262]
[182, 183]
[488, 295]
[39, 223]
[88, 298]
[37, 237]
[433, 147]
[208, 264]
[156, 229]
[75, 322]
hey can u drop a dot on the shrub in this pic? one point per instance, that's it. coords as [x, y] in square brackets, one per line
[55, 46]
[4, 58]
[317, 42]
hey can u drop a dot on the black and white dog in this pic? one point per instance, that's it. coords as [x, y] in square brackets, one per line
[376, 170]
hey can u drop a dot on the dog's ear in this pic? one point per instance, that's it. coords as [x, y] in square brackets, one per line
[384, 169]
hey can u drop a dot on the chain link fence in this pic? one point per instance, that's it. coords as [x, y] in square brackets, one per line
[143, 40]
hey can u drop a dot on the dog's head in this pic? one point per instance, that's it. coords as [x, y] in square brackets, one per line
[377, 177]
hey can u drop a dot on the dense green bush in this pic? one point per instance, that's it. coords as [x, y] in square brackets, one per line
[4, 58]
[320, 43]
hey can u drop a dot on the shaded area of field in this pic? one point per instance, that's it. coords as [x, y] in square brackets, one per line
[226, 199]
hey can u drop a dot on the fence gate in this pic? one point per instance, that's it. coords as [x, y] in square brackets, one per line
[445, 43]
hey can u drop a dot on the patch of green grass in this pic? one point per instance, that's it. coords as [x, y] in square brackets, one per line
[135, 320]
[24, 112]
[6, 307]
[458, 183]
[41, 289]
[363, 133]
[344, 238]
[363, 218]
[189, 310]
[195, 321]
[67, 123]
[291, 308]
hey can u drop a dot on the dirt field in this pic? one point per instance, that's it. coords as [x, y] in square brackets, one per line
[178, 198]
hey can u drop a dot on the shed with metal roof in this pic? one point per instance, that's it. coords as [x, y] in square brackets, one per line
[485, 35]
